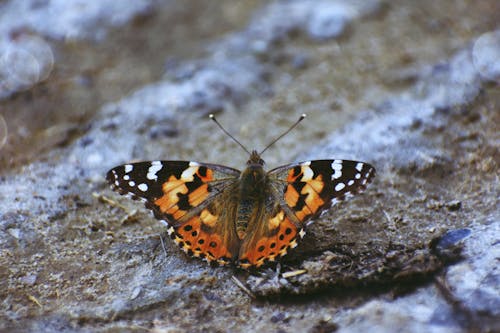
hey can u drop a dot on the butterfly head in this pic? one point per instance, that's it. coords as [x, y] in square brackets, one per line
[255, 160]
[254, 172]
[253, 176]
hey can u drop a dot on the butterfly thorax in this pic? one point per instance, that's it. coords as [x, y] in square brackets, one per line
[252, 191]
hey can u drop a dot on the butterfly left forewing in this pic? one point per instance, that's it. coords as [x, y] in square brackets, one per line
[171, 188]
[192, 198]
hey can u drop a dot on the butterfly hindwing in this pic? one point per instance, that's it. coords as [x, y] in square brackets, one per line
[207, 233]
[274, 236]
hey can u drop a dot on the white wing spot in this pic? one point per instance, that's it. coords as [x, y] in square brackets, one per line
[307, 173]
[307, 163]
[194, 164]
[131, 183]
[359, 166]
[302, 233]
[188, 174]
[128, 168]
[126, 177]
[358, 176]
[143, 187]
[337, 169]
[117, 183]
[339, 187]
[349, 183]
[170, 230]
[153, 170]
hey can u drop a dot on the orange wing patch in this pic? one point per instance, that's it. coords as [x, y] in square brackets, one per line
[276, 220]
[180, 194]
[199, 195]
[172, 188]
[208, 219]
[291, 196]
[303, 191]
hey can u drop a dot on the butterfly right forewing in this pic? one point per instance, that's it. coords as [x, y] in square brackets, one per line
[299, 193]
[312, 187]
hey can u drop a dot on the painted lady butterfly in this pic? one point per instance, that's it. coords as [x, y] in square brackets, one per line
[247, 218]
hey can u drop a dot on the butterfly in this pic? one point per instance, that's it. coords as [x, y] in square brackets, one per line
[245, 218]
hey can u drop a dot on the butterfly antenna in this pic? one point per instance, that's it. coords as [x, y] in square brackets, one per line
[285, 133]
[229, 134]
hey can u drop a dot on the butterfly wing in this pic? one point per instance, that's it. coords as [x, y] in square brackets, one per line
[298, 193]
[312, 187]
[192, 198]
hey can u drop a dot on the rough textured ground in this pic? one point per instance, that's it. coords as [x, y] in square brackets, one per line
[412, 89]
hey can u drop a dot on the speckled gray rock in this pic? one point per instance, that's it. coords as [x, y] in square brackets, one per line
[74, 257]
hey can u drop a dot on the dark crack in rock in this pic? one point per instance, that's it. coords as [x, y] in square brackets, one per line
[344, 271]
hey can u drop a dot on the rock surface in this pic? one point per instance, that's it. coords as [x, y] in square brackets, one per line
[412, 89]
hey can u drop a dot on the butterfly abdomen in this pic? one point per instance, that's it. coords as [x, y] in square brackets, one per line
[252, 193]
[244, 213]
